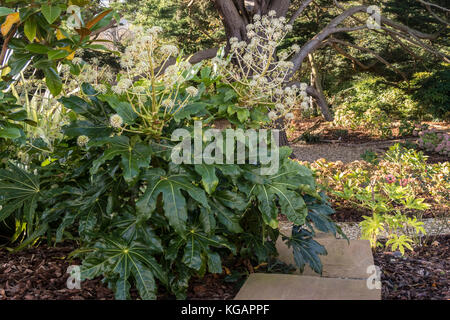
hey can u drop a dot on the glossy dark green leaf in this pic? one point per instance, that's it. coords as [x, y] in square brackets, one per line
[306, 250]
[30, 28]
[192, 254]
[51, 12]
[209, 178]
[133, 156]
[10, 133]
[53, 81]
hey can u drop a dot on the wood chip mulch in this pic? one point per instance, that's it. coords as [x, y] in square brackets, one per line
[423, 274]
[41, 274]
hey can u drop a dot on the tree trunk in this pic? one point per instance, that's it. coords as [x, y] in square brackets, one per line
[318, 86]
[236, 14]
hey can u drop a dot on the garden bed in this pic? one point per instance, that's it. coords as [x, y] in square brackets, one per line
[40, 274]
[423, 274]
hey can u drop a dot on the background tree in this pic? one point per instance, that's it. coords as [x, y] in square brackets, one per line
[334, 36]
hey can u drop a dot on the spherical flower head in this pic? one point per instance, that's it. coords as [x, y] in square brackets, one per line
[303, 86]
[390, 178]
[251, 34]
[289, 116]
[272, 115]
[248, 57]
[279, 106]
[77, 60]
[233, 40]
[101, 88]
[155, 30]
[122, 86]
[139, 90]
[256, 17]
[303, 94]
[404, 182]
[167, 103]
[169, 50]
[295, 48]
[304, 105]
[278, 91]
[272, 13]
[82, 141]
[289, 101]
[116, 121]
[192, 91]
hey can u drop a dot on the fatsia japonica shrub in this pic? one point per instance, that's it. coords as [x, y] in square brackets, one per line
[143, 219]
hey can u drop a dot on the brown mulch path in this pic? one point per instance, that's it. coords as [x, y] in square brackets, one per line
[40, 274]
[423, 274]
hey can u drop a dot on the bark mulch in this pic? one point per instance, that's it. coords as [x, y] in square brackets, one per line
[41, 274]
[423, 274]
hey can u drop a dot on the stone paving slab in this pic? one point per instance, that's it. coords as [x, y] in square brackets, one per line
[344, 260]
[264, 286]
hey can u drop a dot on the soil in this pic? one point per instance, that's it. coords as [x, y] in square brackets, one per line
[423, 274]
[40, 274]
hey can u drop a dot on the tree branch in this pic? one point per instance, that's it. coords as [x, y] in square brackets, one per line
[299, 11]
[379, 58]
[316, 42]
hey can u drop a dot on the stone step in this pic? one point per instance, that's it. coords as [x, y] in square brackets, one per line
[348, 260]
[264, 286]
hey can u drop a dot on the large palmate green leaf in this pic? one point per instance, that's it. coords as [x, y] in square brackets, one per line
[285, 188]
[19, 189]
[197, 250]
[306, 250]
[133, 227]
[134, 156]
[125, 259]
[174, 201]
[226, 217]
[87, 128]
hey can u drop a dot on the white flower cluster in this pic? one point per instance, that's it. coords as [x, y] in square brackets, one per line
[122, 86]
[82, 141]
[259, 72]
[93, 73]
[174, 73]
[192, 91]
[116, 121]
[144, 51]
